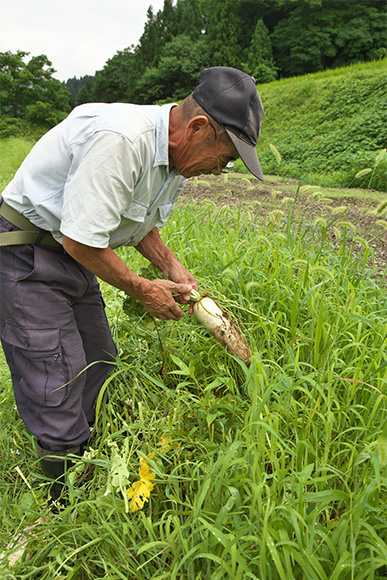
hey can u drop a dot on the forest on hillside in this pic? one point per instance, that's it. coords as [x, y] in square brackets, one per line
[269, 39]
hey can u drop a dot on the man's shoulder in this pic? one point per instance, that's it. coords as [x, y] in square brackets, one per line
[116, 115]
[145, 125]
[127, 119]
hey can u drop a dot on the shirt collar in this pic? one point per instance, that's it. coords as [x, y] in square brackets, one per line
[162, 135]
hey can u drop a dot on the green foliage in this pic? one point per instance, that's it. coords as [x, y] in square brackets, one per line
[11, 127]
[86, 93]
[28, 91]
[321, 34]
[260, 63]
[362, 37]
[113, 82]
[179, 68]
[190, 18]
[75, 85]
[327, 128]
[43, 114]
[151, 42]
[224, 30]
[169, 53]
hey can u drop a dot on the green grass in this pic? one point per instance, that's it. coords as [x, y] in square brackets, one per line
[375, 66]
[278, 471]
[12, 152]
[327, 126]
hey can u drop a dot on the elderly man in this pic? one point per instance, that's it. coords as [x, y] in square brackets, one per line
[108, 175]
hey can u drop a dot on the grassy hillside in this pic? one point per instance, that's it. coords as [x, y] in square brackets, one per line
[342, 112]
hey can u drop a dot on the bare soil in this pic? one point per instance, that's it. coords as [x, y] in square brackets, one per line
[268, 196]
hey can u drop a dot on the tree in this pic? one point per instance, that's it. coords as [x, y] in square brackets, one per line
[190, 17]
[29, 89]
[145, 73]
[260, 63]
[224, 32]
[313, 35]
[168, 25]
[74, 85]
[302, 42]
[361, 35]
[178, 72]
[113, 81]
[86, 93]
[150, 44]
[40, 113]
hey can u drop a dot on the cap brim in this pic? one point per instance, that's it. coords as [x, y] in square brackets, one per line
[248, 155]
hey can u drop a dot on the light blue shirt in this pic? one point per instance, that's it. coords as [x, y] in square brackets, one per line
[101, 177]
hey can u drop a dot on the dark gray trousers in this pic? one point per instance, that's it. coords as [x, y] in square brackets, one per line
[53, 327]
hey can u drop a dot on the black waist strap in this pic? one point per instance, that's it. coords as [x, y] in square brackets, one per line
[29, 234]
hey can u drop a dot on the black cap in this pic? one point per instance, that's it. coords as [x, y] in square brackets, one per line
[230, 97]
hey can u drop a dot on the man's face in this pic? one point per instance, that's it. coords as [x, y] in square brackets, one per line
[205, 156]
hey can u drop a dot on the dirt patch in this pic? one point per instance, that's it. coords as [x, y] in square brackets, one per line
[271, 196]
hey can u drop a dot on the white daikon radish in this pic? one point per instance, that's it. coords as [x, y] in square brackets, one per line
[219, 324]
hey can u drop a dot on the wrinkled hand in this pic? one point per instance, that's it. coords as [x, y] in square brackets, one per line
[160, 296]
[178, 273]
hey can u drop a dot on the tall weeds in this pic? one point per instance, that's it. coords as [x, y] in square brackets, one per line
[278, 471]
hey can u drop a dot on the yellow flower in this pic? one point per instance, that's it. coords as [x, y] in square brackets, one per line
[140, 490]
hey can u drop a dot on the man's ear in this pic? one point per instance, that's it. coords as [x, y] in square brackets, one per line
[197, 128]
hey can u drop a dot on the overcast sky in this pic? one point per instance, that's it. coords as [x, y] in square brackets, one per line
[78, 36]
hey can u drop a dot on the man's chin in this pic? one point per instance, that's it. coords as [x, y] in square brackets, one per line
[195, 173]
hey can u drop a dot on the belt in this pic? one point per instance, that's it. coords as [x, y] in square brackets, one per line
[29, 234]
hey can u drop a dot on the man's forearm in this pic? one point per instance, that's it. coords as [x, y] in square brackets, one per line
[157, 296]
[104, 263]
[153, 249]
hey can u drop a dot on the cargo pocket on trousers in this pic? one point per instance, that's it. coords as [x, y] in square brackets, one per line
[38, 361]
